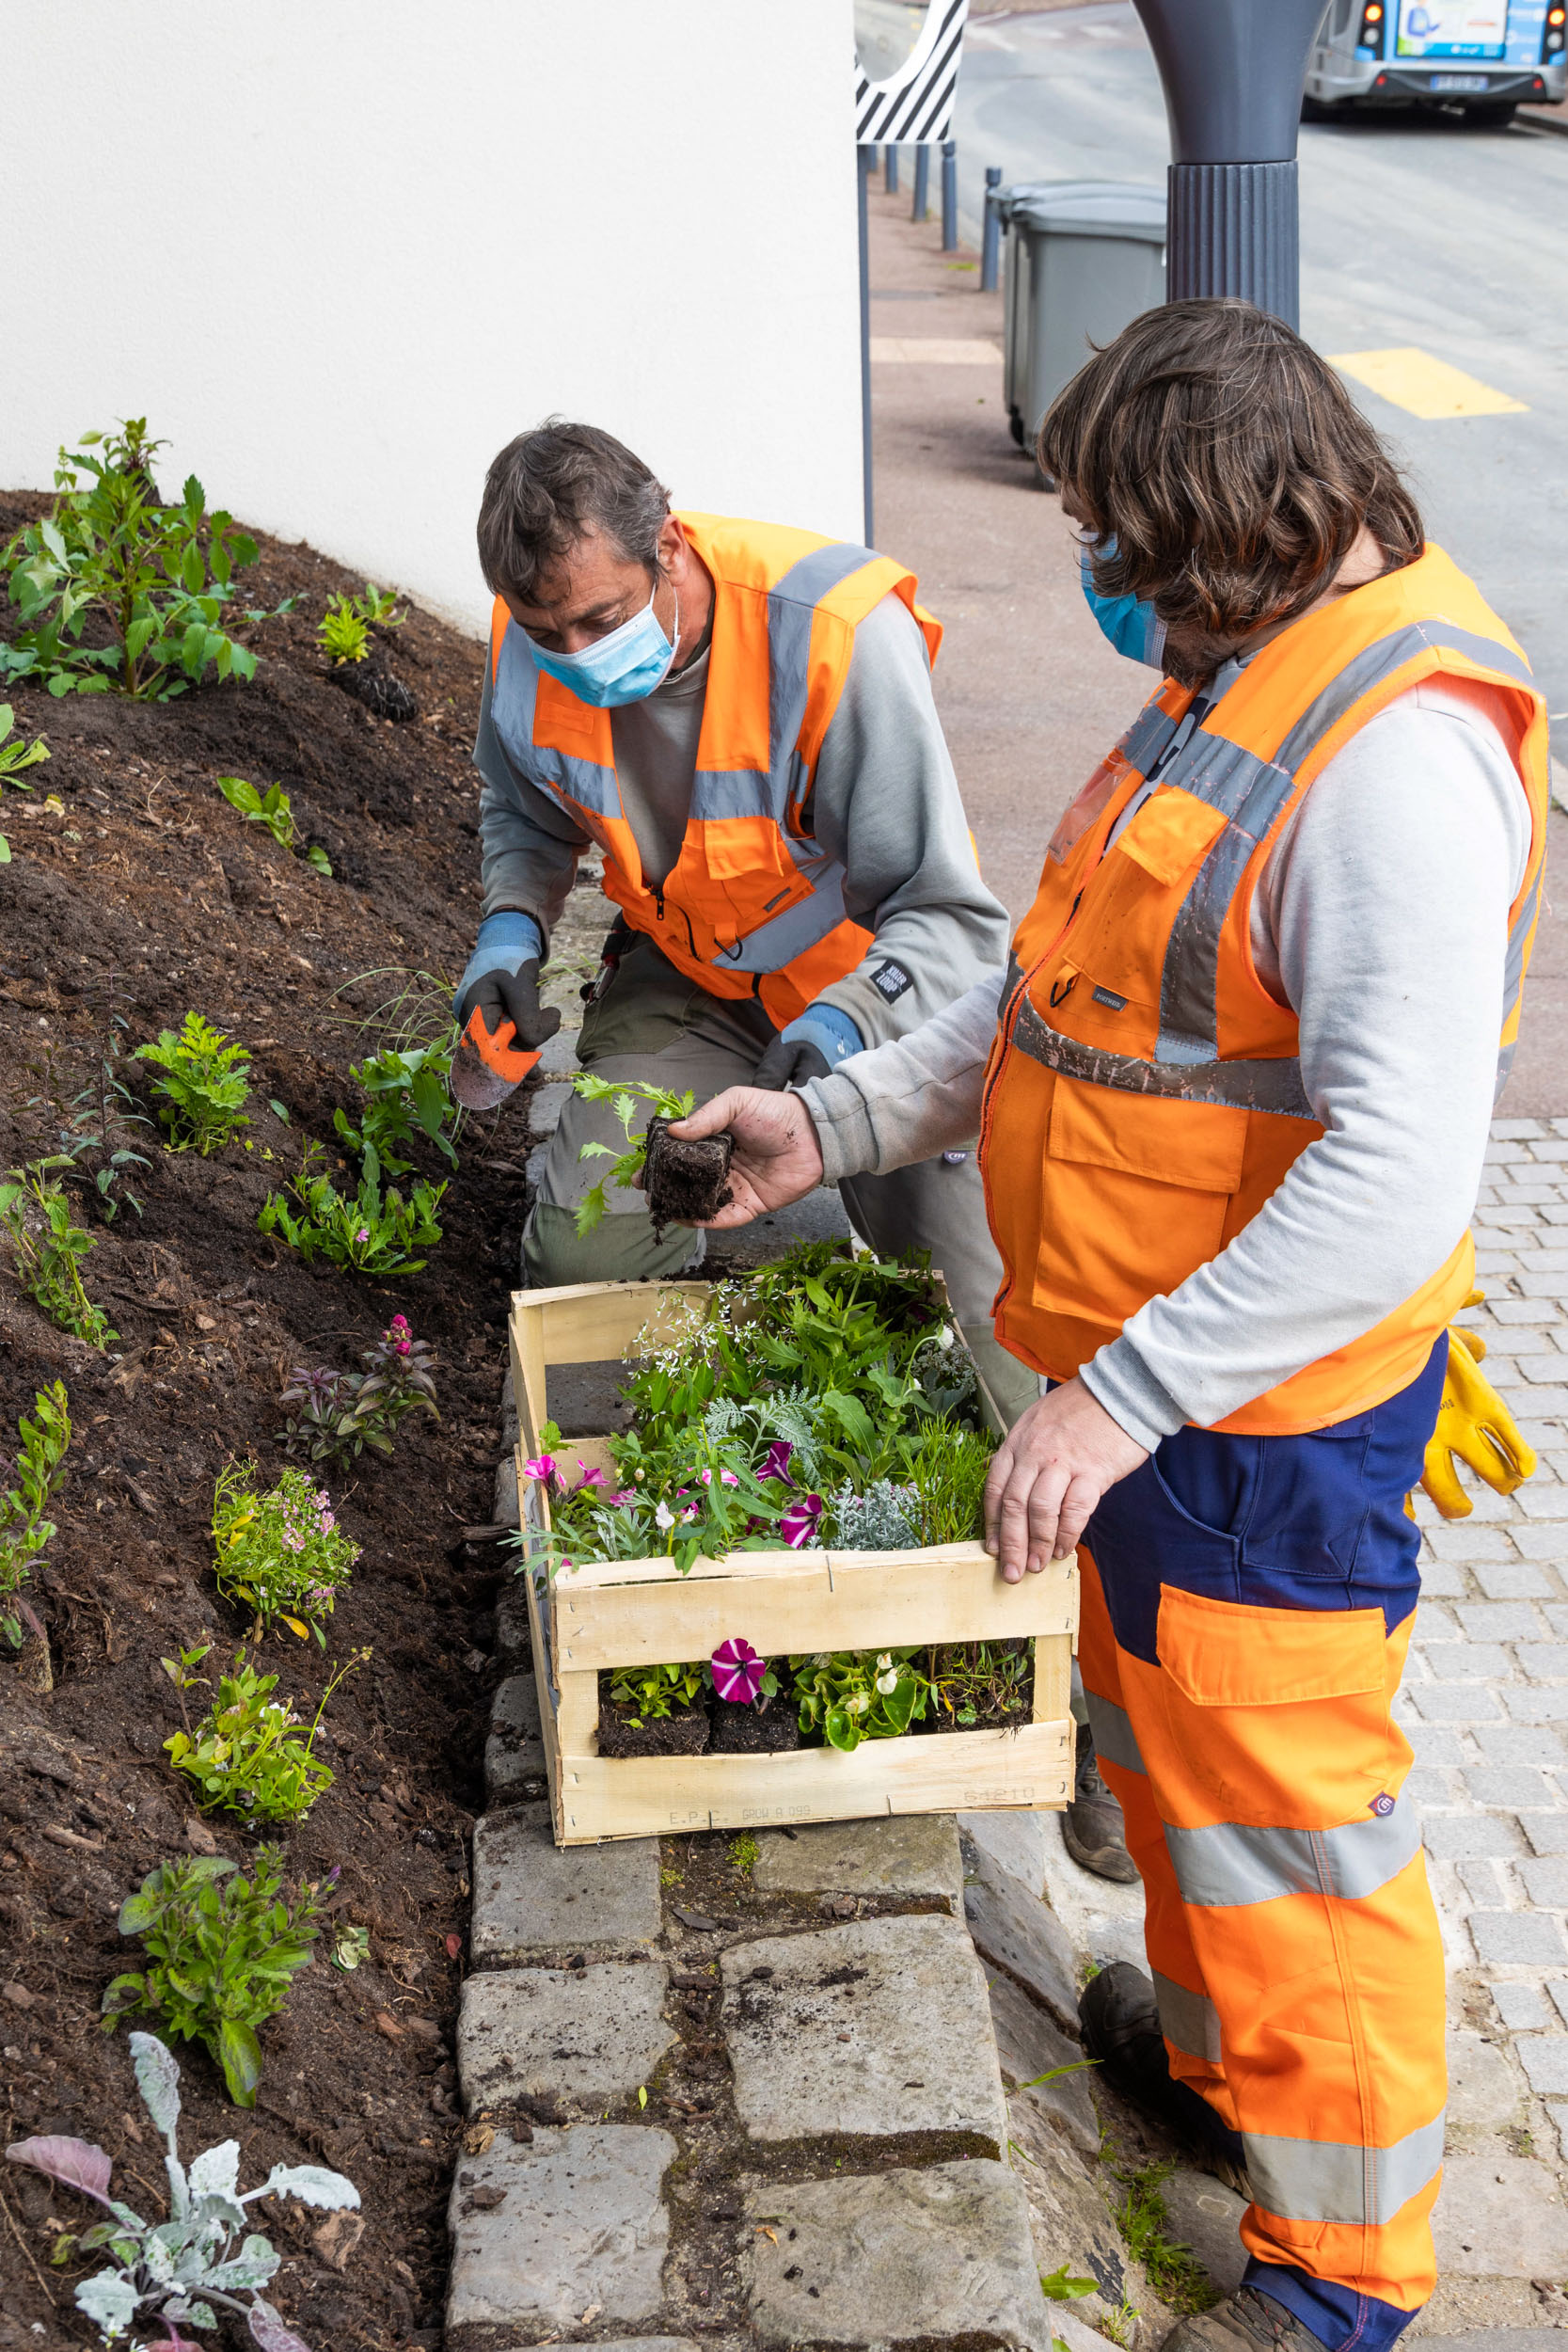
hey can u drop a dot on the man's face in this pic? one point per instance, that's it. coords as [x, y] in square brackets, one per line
[595, 588]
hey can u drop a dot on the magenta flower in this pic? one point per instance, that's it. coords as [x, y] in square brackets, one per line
[798, 1523]
[775, 1462]
[589, 1478]
[624, 1494]
[737, 1672]
[541, 1466]
[363, 1234]
[726, 1478]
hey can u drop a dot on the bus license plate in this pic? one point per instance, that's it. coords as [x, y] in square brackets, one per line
[1459, 81]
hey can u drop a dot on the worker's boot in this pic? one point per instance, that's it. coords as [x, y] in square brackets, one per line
[1092, 1827]
[1120, 2019]
[1245, 2322]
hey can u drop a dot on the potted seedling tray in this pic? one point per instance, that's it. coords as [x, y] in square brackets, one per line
[631, 1612]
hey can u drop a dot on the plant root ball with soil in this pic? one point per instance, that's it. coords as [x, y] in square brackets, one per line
[685, 1182]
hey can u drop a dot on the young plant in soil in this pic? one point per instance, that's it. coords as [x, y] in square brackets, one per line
[406, 1093]
[15, 758]
[273, 810]
[34, 1213]
[683, 1182]
[243, 1757]
[282, 1552]
[343, 633]
[204, 1086]
[24, 1532]
[96, 1122]
[221, 1949]
[336, 1414]
[373, 1232]
[980, 1683]
[175, 2271]
[160, 576]
[653, 1710]
[850, 1696]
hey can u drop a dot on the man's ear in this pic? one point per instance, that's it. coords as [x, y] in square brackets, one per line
[674, 548]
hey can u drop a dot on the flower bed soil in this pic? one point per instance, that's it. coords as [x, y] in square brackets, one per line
[151, 883]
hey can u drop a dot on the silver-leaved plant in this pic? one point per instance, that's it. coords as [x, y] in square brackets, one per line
[175, 2271]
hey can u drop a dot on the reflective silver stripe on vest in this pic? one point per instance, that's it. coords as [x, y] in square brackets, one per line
[1234, 1862]
[1514, 967]
[1248, 1086]
[1146, 739]
[1189, 2020]
[773, 944]
[1115, 1740]
[792, 603]
[1331, 2180]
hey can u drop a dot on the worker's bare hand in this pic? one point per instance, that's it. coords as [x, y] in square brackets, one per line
[777, 1157]
[1050, 1471]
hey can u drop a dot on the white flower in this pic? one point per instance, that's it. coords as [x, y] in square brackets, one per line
[859, 1703]
[944, 1337]
[887, 1684]
[885, 1660]
[663, 1515]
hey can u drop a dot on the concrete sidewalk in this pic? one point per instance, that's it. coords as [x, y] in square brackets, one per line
[1030, 693]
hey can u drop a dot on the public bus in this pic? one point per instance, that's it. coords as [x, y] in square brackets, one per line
[1485, 56]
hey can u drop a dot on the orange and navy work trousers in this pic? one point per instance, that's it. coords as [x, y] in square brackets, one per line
[1247, 1608]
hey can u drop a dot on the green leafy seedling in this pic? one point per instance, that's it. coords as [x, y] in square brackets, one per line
[243, 1756]
[221, 1949]
[370, 1232]
[274, 811]
[34, 1213]
[625, 1166]
[282, 1552]
[205, 1084]
[15, 758]
[24, 1532]
[1057, 2287]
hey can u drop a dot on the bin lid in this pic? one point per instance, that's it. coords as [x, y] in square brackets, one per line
[1093, 208]
[1006, 200]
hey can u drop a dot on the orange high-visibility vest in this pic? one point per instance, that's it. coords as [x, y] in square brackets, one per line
[1144, 1095]
[752, 906]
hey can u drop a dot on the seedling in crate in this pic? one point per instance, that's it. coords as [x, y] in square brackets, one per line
[851, 1695]
[159, 575]
[205, 1084]
[221, 1949]
[683, 1182]
[243, 1756]
[273, 810]
[282, 1554]
[336, 1414]
[15, 758]
[175, 2271]
[24, 1532]
[34, 1213]
[373, 1232]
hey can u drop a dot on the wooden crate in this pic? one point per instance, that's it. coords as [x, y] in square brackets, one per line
[626, 1613]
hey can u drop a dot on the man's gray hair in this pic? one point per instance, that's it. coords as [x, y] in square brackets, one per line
[552, 487]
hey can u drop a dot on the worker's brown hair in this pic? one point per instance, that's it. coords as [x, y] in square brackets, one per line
[553, 487]
[1228, 463]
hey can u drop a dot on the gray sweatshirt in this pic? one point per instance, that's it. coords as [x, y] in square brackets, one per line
[886, 805]
[1381, 920]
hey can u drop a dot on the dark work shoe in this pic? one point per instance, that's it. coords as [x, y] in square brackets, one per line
[1092, 1828]
[1121, 2028]
[1245, 2322]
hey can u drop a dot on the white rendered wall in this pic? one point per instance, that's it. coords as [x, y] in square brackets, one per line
[339, 256]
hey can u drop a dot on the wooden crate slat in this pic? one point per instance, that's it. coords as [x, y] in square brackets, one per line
[594, 1575]
[953, 1772]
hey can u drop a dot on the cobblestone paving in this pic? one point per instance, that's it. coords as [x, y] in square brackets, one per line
[1486, 1698]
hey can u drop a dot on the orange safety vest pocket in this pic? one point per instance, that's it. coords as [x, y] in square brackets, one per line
[1170, 833]
[1149, 1137]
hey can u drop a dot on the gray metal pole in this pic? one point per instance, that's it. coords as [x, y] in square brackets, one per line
[1232, 73]
[950, 195]
[890, 170]
[866, 160]
[921, 208]
[990, 235]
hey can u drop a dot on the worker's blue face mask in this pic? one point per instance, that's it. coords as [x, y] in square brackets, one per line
[623, 667]
[1128, 623]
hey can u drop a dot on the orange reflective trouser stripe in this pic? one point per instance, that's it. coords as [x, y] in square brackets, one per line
[1290, 1928]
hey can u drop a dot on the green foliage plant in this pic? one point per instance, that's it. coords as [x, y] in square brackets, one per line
[624, 1167]
[205, 1084]
[159, 579]
[344, 632]
[647, 1694]
[176, 2270]
[370, 1232]
[14, 758]
[281, 1552]
[243, 1756]
[220, 1948]
[35, 1215]
[1143, 2218]
[977, 1683]
[851, 1695]
[337, 1414]
[1058, 2286]
[273, 811]
[96, 1124]
[406, 1093]
[24, 1532]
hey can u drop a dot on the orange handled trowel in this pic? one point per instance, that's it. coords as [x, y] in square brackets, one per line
[486, 1067]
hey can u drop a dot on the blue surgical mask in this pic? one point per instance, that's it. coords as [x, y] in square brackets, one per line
[623, 667]
[1126, 622]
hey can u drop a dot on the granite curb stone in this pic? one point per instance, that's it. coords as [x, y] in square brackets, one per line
[583, 2034]
[579, 2221]
[533, 1897]
[514, 1751]
[904, 1854]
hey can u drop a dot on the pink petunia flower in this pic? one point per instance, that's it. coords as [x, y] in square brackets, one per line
[589, 1478]
[798, 1523]
[775, 1462]
[738, 1671]
[541, 1466]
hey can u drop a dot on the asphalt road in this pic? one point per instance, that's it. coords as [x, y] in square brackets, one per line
[1416, 231]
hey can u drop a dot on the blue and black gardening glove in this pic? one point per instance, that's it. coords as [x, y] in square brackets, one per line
[810, 1047]
[501, 980]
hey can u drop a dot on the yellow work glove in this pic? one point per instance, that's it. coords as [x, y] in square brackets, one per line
[1474, 1424]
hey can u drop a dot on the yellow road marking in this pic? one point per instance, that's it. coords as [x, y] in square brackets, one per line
[1426, 387]
[935, 351]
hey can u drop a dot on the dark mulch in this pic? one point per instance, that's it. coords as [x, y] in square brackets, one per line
[148, 895]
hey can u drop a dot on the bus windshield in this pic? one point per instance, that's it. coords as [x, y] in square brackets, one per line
[1452, 28]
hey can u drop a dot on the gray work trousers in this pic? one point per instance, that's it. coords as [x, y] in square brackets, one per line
[649, 1022]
